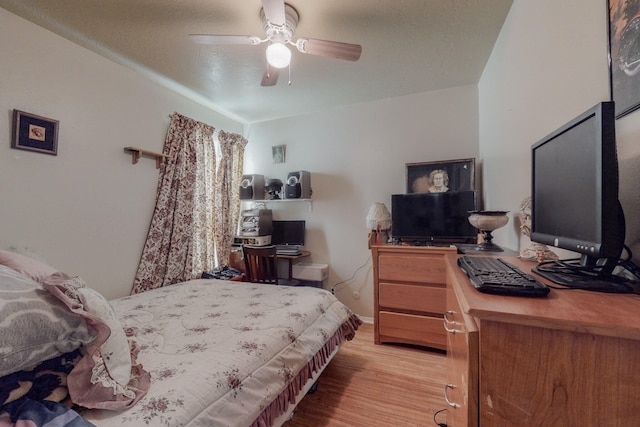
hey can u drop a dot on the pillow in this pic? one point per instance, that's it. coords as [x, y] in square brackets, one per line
[108, 376]
[26, 266]
[34, 325]
[116, 347]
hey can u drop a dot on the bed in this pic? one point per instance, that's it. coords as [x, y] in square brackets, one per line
[198, 353]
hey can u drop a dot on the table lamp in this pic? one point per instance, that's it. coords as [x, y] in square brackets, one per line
[379, 221]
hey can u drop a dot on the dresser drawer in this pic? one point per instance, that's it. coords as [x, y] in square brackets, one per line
[412, 329]
[420, 298]
[407, 267]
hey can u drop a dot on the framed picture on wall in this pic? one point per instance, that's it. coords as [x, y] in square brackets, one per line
[34, 133]
[624, 54]
[441, 177]
[278, 153]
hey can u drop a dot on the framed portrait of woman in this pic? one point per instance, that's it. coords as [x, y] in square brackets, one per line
[441, 176]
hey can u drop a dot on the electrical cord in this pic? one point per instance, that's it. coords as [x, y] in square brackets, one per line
[435, 415]
[333, 288]
[572, 266]
[623, 270]
[628, 265]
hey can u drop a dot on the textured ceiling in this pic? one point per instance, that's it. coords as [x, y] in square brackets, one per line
[408, 46]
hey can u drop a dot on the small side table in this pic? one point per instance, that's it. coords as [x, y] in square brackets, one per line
[291, 258]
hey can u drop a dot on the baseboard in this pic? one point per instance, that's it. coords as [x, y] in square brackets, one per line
[368, 320]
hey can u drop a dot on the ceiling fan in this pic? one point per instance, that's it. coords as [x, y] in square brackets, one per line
[279, 22]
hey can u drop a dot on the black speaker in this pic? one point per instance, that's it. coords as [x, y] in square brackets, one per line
[252, 187]
[298, 185]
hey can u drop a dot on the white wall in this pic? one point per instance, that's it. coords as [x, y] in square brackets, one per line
[549, 65]
[86, 210]
[356, 156]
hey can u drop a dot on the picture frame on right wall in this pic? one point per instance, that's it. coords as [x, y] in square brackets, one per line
[624, 55]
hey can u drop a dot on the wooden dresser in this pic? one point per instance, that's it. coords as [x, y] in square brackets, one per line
[410, 294]
[570, 359]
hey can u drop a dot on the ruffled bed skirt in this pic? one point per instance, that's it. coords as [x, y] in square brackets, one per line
[280, 405]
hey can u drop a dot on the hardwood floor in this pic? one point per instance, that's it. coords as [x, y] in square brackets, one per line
[376, 386]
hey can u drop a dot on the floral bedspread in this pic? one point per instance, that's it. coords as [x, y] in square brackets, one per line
[224, 353]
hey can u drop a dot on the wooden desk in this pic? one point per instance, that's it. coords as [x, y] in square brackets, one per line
[571, 358]
[237, 261]
[291, 258]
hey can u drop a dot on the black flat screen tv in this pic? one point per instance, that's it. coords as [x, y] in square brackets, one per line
[433, 217]
[288, 233]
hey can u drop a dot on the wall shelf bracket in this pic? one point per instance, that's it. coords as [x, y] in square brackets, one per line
[136, 153]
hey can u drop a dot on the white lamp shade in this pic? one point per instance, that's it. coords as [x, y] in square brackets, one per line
[278, 55]
[378, 216]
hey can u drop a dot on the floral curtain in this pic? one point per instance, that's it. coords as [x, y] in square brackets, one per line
[227, 196]
[180, 241]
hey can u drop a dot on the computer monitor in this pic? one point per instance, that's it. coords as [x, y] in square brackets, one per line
[574, 192]
[288, 233]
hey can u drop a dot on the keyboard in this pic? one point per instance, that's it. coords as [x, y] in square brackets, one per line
[496, 276]
[288, 252]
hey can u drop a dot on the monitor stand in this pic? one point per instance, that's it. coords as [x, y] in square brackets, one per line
[608, 283]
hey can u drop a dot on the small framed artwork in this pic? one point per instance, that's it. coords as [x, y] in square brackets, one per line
[278, 153]
[624, 54]
[441, 177]
[34, 133]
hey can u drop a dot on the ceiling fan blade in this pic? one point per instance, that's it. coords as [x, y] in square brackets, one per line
[217, 39]
[274, 11]
[270, 76]
[347, 51]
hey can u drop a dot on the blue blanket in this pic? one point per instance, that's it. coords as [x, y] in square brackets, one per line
[36, 397]
[43, 413]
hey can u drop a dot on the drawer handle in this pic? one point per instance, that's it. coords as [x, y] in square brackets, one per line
[447, 322]
[446, 398]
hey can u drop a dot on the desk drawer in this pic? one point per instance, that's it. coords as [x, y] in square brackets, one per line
[412, 329]
[421, 298]
[461, 392]
[421, 268]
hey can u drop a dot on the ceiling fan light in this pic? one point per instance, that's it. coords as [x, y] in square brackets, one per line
[278, 55]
